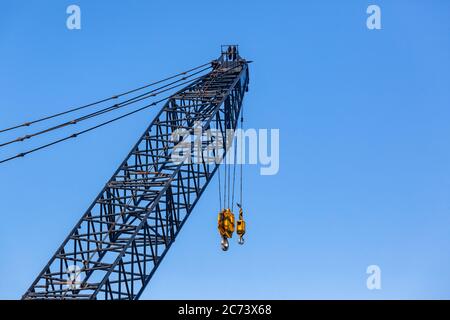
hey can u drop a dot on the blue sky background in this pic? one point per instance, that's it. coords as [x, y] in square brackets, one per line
[364, 123]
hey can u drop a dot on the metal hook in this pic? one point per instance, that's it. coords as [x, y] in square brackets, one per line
[224, 244]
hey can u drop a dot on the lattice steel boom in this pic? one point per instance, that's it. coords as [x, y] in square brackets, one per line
[116, 247]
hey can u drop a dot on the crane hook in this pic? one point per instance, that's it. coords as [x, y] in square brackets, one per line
[240, 225]
[225, 224]
[224, 243]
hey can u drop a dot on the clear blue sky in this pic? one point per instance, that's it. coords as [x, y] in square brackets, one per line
[364, 123]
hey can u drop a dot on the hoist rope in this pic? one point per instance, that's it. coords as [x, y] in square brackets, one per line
[220, 191]
[29, 123]
[75, 135]
[234, 171]
[241, 202]
[150, 94]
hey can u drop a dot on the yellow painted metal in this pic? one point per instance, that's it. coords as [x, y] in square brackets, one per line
[240, 226]
[225, 223]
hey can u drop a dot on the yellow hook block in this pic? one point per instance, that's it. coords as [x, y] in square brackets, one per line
[225, 221]
[240, 226]
[225, 224]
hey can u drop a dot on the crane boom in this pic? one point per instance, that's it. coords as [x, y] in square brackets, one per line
[117, 245]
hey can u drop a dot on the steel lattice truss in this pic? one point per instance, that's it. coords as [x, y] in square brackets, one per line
[118, 244]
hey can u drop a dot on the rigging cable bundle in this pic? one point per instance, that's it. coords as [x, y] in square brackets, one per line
[225, 219]
[181, 82]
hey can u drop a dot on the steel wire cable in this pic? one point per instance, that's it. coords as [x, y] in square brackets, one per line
[29, 123]
[75, 135]
[242, 156]
[146, 95]
[234, 172]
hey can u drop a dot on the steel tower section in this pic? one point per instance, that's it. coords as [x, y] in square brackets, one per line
[116, 247]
